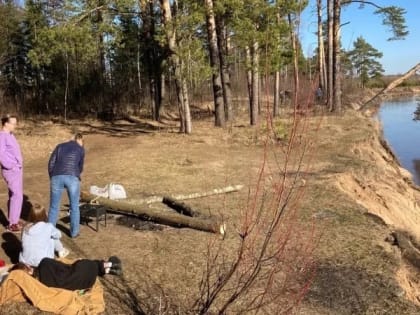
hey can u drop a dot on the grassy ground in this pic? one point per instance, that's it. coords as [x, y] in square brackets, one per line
[356, 268]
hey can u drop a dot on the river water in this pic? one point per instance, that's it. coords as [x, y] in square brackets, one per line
[402, 132]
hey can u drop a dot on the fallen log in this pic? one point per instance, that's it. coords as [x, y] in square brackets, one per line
[393, 84]
[165, 218]
[181, 207]
[216, 191]
[152, 124]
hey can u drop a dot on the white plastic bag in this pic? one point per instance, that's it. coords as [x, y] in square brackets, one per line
[99, 191]
[116, 191]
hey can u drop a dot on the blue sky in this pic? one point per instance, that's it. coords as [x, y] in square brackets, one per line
[398, 56]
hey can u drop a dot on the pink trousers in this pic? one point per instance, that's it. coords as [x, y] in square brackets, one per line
[14, 181]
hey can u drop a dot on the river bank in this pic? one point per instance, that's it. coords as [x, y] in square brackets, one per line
[359, 98]
[371, 253]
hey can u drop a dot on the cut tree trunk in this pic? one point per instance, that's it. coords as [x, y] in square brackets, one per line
[161, 217]
[181, 207]
[393, 84]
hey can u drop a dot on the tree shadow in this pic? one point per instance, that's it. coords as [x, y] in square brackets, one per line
[354, 290]
[147, 298]
[64, 229]
[12, 246]
[26, 208]
[126, 129]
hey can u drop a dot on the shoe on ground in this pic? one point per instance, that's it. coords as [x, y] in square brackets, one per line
[115, 272]
[63, 253]
[116, 268]
[14, 228]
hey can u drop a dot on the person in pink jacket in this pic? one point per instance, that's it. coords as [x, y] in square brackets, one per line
[11, 168]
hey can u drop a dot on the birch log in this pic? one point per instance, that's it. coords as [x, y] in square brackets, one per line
[216, 191]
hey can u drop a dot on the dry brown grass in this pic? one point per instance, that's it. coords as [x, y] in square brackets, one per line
[356, 268]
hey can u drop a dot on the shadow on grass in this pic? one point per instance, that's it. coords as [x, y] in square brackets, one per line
[12, 246]
[125, 130]
[149, 298]
[353, 290]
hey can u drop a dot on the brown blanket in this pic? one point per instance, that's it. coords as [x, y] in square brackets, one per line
[21, 287]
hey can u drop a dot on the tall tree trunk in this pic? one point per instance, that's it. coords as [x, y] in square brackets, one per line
[178, 87]
[321, 52]
[163, 93]
[158, 95]
[276, 94]
[156, 65]
[223, 43]
[153, 67]
[276, 104]
[248, 64]
[66, 92]
[180, 80]
[330, 70]
[295, 61]
[101, 61]
[336, 59]
[255, 79]
[219, 110]
[139, 74]
[186, 103]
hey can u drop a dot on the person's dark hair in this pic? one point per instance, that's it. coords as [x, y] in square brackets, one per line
[37, 214]
[6, 119]
[78, 136]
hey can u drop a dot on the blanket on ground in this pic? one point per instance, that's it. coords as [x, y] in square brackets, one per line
[21, 287]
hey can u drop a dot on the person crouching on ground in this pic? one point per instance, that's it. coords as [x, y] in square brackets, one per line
[81, 275]
[65, 167]
[40, 239]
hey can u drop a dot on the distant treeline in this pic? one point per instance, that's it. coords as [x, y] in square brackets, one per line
[382, 82]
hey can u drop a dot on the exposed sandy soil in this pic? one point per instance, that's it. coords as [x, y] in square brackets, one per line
[352, 181]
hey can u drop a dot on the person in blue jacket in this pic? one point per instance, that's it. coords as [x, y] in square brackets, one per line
[65, 168]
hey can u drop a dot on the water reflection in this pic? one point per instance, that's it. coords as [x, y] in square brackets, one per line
[401, 125]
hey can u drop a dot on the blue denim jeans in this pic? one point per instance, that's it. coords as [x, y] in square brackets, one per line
[72, 185]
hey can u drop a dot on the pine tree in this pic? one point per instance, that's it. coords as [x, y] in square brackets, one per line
[364, 60]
